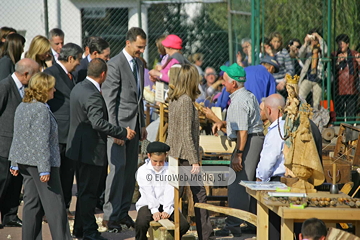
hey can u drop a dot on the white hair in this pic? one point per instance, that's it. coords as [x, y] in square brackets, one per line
[239, 84]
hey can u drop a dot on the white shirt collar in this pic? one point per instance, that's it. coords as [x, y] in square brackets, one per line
[62, 66]
[129, 58]
[150, 167]
[89, 58]
[55, 54]
[17, 81]
[97, 85]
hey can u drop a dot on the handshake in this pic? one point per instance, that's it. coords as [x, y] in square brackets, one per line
[130, 135]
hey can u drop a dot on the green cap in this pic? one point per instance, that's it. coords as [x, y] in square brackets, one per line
[235, 72]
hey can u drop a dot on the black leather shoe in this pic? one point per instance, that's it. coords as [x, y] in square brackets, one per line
[1, 226]
[222, 233]
[94, 236]
[248, 228]
[14, 223]
[225, 233]
[127, 221]
[112, 226]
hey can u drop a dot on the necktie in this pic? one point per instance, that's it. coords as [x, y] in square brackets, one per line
[22, 91]
[134, 69]
[135, 72]
[70, 76]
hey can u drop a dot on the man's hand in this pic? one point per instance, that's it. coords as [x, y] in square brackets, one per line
[236, 162]
[280, 86]
[357, 58]
[269, 50]
[14, 172]
[45, 178]
[156, 216]
[217, 127]
[315, 34]
[307, 39]
[209, 114]
[342, 57]
[195, 168]
[165, 215]
[143, 134]
[130, 133]
[119, 142]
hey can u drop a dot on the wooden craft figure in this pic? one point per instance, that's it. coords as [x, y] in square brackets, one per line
[300, 152]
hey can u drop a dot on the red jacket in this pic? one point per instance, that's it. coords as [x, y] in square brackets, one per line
[345, 80]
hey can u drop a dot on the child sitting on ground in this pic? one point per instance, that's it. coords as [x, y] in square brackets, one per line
[157, 195]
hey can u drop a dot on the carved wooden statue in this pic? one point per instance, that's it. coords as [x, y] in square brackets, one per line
[300, 152]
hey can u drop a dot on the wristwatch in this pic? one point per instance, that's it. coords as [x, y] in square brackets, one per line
[239, 151]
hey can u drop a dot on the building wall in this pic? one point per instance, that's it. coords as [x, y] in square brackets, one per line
[28, 17]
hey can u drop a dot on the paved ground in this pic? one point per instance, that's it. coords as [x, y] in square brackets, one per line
[126, 234]
[129, 234]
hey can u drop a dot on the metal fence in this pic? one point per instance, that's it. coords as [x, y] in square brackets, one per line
[214, 28]
[336, 77]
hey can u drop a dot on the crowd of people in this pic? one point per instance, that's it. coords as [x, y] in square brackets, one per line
[68, 111]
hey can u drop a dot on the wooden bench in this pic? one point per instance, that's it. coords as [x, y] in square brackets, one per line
[247, 216]
[335, 234]
[161, 230]
[213, 146]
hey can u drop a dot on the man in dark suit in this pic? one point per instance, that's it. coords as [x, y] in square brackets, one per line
[98, 48]
[89, 128]
[11, 94]
[122, 92]
[69, 59]
[56, 38]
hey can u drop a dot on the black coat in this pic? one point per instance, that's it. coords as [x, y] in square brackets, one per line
[60, 104]
[89, 126]
[9, 100]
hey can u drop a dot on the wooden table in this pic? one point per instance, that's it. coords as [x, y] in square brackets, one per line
[330, 215]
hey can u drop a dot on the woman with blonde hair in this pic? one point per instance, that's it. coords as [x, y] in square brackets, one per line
[35, 154]
[39, 51]
[183, 138]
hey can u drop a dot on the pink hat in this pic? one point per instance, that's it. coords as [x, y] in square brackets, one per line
[172, 41]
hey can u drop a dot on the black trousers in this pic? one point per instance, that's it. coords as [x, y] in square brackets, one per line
[88, 180]
[10, 188]
[203, 224]
[144, 217]
[67, 170]
[274, 219]
[43, 198]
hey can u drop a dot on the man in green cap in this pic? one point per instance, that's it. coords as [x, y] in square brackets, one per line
[243, 125]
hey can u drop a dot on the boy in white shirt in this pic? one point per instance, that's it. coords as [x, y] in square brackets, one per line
[157, 195]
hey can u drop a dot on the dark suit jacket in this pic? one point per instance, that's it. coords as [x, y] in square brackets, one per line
[53, 61]
[9, 100]
[89, 126]
[120, 92]
[60, 104]
[81, 71]
[7, 67]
